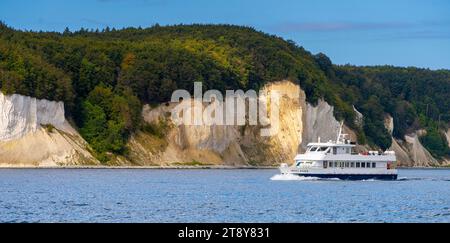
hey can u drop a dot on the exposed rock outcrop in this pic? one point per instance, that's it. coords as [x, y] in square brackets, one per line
[220, 144]
[447, 135]
[300, 123]
[389, 123]
[358, 118]
[410, 152]
[319, 123]
[419, 155]
[36, 133]
[20, 115]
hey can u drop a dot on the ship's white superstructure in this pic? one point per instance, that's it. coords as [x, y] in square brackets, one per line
[338, 160]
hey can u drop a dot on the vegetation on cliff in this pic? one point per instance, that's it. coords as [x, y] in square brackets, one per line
[105, 76]
[415, 98]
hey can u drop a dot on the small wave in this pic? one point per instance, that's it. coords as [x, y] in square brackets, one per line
[418, 179]
[413, 179]
[291, 177]
[421, 179]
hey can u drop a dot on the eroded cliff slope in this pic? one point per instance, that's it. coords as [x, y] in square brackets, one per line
[300, 123]
[410, 151]
[36, 133]
[221, 144]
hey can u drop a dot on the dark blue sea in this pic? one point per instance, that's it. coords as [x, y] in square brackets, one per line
[126, 195]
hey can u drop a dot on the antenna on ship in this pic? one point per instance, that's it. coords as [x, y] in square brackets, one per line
[340, 134]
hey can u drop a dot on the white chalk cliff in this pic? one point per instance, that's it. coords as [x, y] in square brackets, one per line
[220, 144]
[447, 135]
[410, 151]
[26, 140]
[299, 123]
[35, 132]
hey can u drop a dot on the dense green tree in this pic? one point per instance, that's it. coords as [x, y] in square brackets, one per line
[105, 76]
[94, 126]
[109, 118]
[436, 143]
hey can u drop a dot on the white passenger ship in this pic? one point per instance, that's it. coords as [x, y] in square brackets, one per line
[337, 160]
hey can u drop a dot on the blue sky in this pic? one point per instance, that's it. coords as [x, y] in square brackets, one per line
[400, 32]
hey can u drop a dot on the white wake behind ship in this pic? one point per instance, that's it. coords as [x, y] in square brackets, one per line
[336, 159]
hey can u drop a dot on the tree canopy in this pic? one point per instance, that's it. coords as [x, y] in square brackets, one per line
[105, 76]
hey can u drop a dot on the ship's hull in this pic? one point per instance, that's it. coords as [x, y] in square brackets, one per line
[352, 176]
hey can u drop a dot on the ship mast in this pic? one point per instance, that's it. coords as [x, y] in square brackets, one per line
[341, 136]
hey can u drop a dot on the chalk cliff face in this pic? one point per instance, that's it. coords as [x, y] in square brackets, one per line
[299, 123]
[410, 152]
[35, 133]
[319, 123]
[220, 144]
[20, 115]
[447, 135]
[26, 139]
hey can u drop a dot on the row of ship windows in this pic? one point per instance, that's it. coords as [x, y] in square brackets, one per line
[350, 164]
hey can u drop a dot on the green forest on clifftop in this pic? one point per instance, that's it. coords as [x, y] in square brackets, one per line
[105, 76]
